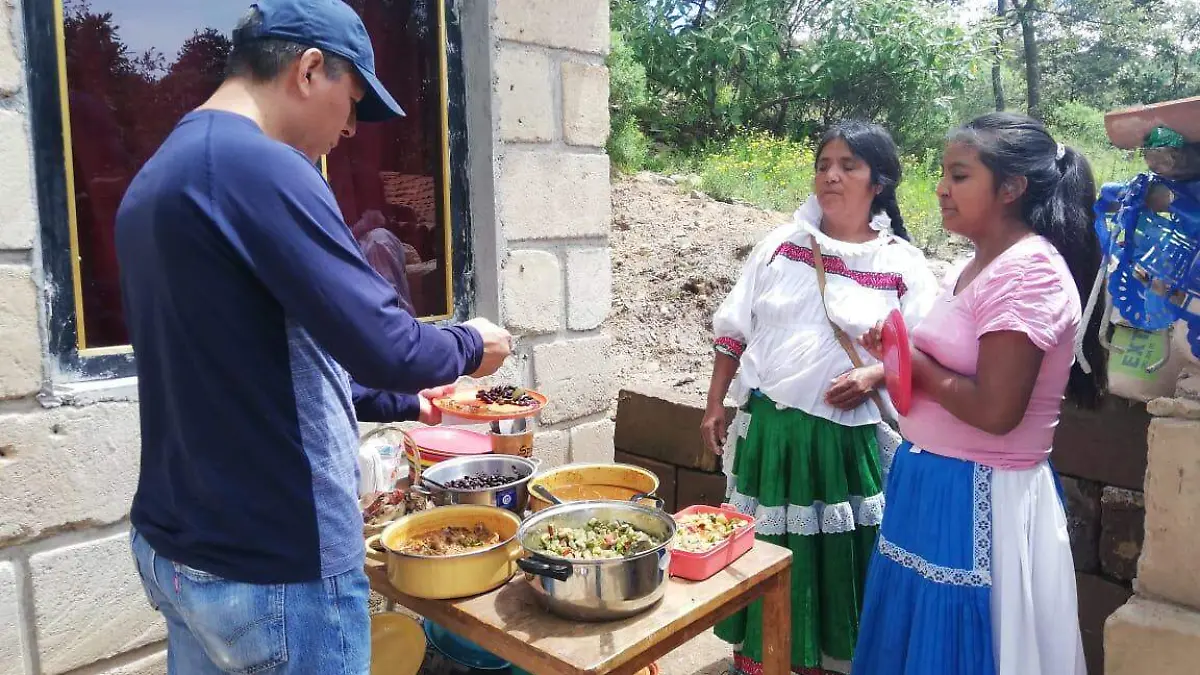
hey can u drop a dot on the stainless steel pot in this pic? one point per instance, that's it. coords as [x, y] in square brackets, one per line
[598, 590]
[514, 496]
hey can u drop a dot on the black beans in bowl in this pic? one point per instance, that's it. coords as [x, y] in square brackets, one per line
[482, 481]
[508, 395]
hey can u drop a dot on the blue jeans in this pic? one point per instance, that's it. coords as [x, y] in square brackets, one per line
[219, 626]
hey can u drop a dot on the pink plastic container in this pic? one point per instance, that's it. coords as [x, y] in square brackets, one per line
[700, 566]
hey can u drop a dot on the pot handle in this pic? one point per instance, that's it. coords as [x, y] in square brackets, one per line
[545, 568]
[658, 501]
[377, 556]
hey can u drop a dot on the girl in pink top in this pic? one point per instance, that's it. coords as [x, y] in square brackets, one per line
[973, 573]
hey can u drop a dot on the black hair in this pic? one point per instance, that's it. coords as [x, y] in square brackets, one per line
[1057, 205]
[874, 145]
[263, 59]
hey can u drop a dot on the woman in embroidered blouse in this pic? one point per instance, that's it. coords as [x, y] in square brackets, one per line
[806, 462]
[974, 574]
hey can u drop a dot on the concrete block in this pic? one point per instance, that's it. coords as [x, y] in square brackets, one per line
[666, 476]
[552, 447]
[585, 104]
[549, 195]
[581, 25]
[514, 371]
[1188, 385]
[589, 288]
[657, 423]
[533, 292]
[1168, 565]
[524, 96]
[11, 647]
[89, 604]
[575, 375]
[1083, 522]
[155, 664]
[699, 487]
[1122, 532]
[20, 344]
[1184, 408]
[1106, 445]
[1098, 599]
[593, 442]
[19, 220]
[1146, 636]
[11, 73]
[66, 468]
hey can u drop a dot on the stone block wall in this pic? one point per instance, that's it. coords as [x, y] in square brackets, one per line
[70, 599]
[658, 430]
[1101, 457]
[69, 596]
[553, 209]
[1158, 631]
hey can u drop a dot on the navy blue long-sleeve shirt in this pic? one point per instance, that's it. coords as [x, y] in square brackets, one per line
[377, 405]
[250, 308]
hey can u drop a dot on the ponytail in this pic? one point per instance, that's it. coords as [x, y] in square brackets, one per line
[1057, 205]
[1065, 220]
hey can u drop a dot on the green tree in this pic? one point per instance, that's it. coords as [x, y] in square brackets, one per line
[792, 67]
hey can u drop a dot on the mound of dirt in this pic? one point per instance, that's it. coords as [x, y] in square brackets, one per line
[675, 255]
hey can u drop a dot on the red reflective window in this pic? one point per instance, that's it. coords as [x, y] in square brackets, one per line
[134, 67]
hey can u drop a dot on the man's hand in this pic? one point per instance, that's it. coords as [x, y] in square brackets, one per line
[430, 414]
[497, 345]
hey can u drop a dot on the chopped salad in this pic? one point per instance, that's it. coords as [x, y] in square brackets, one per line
[598, 540]
[700, 532]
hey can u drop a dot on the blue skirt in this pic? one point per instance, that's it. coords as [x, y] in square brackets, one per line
[927, 605]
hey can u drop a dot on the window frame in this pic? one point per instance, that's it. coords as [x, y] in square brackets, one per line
[45, 71]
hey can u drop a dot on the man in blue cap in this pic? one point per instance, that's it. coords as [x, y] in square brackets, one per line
[250, 308]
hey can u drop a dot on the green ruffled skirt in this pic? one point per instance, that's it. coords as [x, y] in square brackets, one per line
[816, 487]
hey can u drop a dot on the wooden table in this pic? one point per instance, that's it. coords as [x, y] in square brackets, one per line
[510, 623]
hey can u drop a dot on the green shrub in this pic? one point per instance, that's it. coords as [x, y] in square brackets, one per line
[628, 147]
[919, 203]
[758, 168]
[1079, 122]
[628, 101]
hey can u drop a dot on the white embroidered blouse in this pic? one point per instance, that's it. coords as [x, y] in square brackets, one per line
[773, 321]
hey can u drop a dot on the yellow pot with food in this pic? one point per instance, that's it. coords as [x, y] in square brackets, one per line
[586, 482]
[450, 551]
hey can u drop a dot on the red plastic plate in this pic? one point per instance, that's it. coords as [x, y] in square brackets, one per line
[897, 361]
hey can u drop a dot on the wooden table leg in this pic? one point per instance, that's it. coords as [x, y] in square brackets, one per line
[777, 624]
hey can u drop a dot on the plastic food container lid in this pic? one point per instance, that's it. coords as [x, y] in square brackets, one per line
[451, 442]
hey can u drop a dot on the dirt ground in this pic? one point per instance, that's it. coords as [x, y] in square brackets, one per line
[676, 253]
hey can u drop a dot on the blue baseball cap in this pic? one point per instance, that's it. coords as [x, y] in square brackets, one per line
[332, 26]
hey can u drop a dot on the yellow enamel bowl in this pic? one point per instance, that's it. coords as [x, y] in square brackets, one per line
[450, 576]
[397, 644]
[590, 482]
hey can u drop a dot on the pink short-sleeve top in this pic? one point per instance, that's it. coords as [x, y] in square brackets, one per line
[1027, 289]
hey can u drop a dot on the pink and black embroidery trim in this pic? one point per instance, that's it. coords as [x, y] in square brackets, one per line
[730, 347]
[882, 281]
